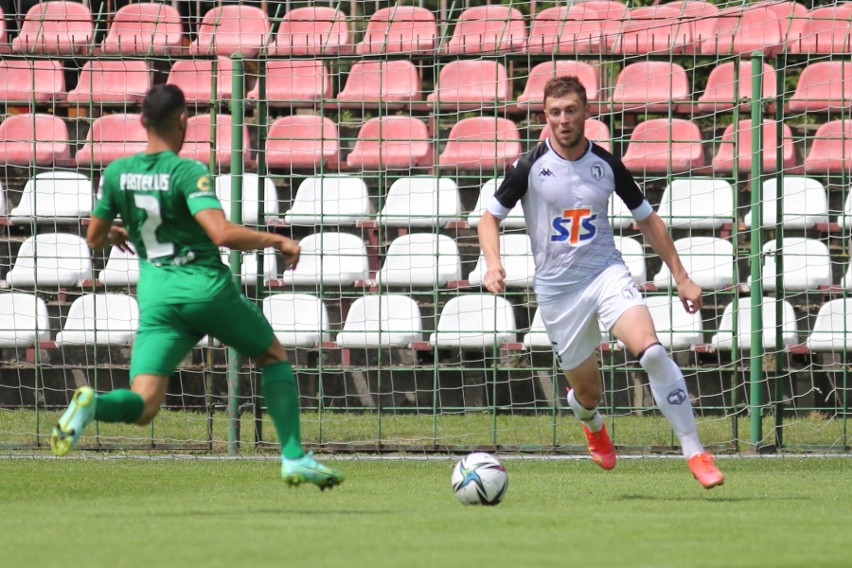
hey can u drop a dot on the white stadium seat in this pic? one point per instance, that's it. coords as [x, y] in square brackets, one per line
[514, 220]
[807, 264]
[298, 320]
[634, 257]
[724, 340]
[475, 322]
[23, 320]
[52, 196]
[517, 257]
[249, 270]
[421, 201]
[251, 183]
[804, 201]
[331, 259]
[676, 328]
[390, 320]
[420, 259]
[122, 269]
[100, 319]
[51, 259]
[330, 200]
[708, 260]
[697, 203]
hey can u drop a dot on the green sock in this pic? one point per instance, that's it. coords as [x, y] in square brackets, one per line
[282, 402]
[120, 405]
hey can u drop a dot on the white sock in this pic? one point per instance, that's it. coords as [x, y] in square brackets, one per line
[591, 418]
[669, 390]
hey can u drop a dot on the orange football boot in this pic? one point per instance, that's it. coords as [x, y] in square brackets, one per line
[705, 471]
[600, 446]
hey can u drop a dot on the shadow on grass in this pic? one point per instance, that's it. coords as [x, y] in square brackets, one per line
[707, 497]
[231, 513]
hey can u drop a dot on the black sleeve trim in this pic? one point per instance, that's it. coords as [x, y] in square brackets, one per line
[625, 186]
[516, 180]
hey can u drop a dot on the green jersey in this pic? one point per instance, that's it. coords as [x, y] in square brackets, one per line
[156, 196]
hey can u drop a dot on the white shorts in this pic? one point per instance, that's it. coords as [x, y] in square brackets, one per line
[572, 321]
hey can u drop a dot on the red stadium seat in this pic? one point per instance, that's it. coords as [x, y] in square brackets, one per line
[719, 93]
[61, 28]
[533, 96]
[111, 137]
[34, 139]
[294, 82]
[400, 29]
[791, 16]
[723, 162]
[303, 141]
[312, 31]
[196, 144]
[392, 84]
[831, 151]
[743, 30]
[37, 80]
[596, 131]
[482, 144]
[652, 29]
[484, 29]
[470, 84]
[825, 30]
[195, 78]
[4, 37]
[823, 86]
[231, 29]
[145, 29]
[392, 142]
[651, 86]
[702, 16]
[610, 14]
[553, 31]
[111, 81]
[660, 145]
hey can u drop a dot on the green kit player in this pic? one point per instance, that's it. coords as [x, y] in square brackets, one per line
[176, 224]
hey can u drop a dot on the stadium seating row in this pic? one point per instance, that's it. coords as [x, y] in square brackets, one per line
[467, 322]
[645, 86]
[585, 27]
[403, 142]
[414, 202]
[426, 260]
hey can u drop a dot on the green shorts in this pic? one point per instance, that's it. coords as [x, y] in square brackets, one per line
[167, 333]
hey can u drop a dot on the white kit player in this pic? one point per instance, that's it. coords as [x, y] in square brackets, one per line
[565, 184]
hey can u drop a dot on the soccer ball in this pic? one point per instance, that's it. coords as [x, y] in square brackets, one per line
[480, 479]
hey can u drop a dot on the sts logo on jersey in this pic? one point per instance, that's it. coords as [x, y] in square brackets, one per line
[575, 226]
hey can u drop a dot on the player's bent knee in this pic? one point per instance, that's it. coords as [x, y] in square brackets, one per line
[275, 354]
[150, 411]
[656, 362]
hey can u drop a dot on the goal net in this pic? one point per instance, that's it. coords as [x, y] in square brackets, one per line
[374, 134]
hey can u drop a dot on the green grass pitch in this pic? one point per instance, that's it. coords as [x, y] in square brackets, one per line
[97, 512]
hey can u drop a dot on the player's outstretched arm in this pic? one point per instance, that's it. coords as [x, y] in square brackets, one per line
[101, 234]
[658, 237]
[223, 233]
[489, 241]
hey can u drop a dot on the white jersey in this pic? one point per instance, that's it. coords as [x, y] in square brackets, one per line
[566, 205]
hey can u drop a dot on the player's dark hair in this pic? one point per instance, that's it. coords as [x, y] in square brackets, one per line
[561, 86]
[161, 107]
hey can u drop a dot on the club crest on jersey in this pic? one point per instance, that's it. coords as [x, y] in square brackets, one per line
[597, 171]
[575, 226]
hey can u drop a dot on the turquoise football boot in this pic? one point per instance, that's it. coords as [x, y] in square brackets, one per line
[307, 470]
[73, 421]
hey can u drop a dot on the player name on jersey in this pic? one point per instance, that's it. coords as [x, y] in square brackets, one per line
[144, 182]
